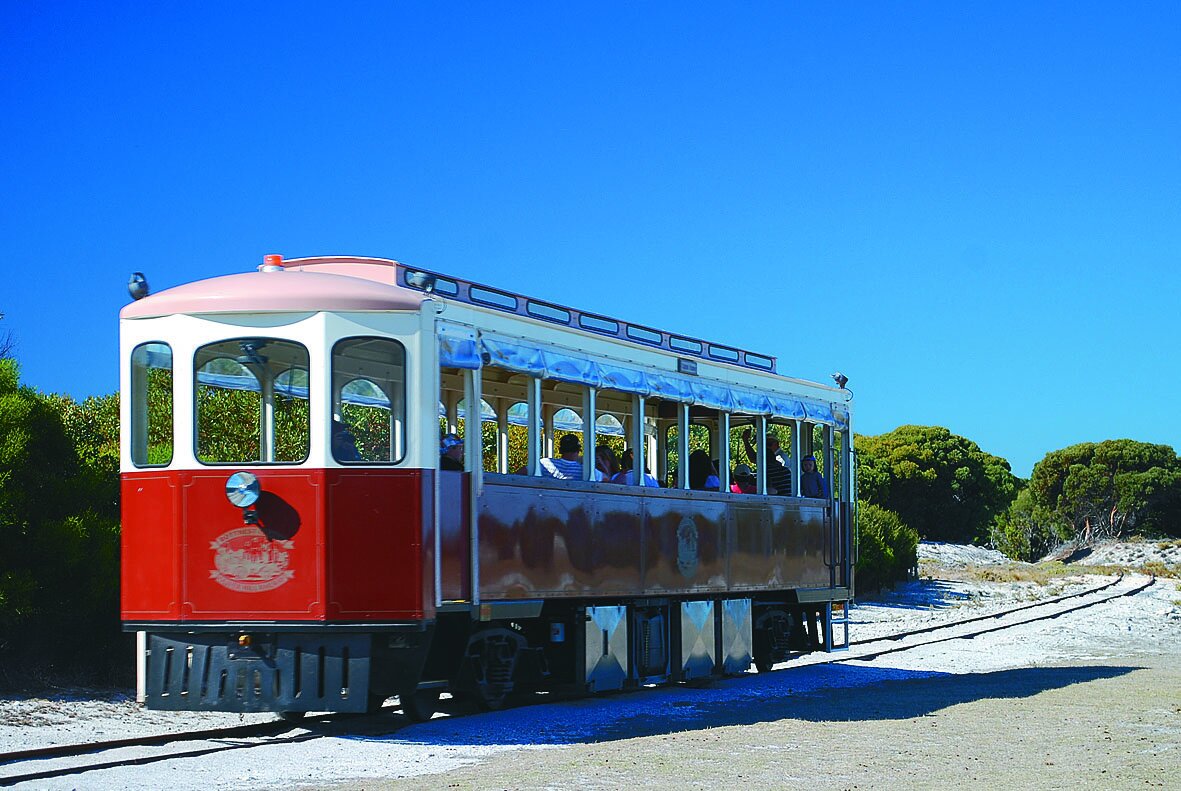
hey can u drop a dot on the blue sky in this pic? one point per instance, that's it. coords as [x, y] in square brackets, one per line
[974, 212]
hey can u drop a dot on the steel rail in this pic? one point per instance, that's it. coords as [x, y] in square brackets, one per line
[968, 636]
[989, 616]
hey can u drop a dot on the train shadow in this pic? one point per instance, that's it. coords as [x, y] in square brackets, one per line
[813, 694]
[923, 594]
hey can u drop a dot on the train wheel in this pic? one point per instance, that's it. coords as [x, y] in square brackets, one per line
[420, 704]
[492, 659]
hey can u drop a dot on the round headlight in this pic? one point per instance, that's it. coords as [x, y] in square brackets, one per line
[242, 489]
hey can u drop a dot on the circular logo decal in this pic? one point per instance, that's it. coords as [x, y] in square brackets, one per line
[245, 560]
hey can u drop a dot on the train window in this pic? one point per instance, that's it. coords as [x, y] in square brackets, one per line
[598, 323]
[723, 353]
[151, 405]
[488, 296]
[638, 333]
[252, 402]
[759, 361]
[685, 344]
[548, 312]
[369, 401]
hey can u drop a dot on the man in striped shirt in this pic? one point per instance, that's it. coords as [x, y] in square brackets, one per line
[778, 476]
[568, 464]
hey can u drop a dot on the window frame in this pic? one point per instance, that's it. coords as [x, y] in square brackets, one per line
[398, 459]
[262, 403]
[134, 404]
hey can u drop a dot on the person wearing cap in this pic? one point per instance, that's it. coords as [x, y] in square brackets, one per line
[812, 483]
[451, 453]
[568, 463]
[744, 480]
[778, 476]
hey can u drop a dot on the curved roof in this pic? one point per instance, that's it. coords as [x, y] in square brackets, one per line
[274, 292]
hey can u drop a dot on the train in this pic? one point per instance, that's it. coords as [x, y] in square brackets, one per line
[294, 540]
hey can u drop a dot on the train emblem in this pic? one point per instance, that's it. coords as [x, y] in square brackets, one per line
[249, 562]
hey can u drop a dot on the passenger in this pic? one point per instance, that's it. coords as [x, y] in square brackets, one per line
[812, 483]
[627, 475]
[568, 464]
[451, 453]
[778, 476]
[606, 463]
[702, 475]
[344, 444]
[744, 481]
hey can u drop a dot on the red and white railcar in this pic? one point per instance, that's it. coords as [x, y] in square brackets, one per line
[290, 542]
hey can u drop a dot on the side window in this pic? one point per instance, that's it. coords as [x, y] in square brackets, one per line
[151, 405]
[369, 401]
[252, 402]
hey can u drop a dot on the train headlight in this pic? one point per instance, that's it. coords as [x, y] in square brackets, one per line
[242, 489]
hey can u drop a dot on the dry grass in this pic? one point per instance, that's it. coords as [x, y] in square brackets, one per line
[1042, 573]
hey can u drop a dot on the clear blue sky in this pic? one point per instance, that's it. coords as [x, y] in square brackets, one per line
[973, 210]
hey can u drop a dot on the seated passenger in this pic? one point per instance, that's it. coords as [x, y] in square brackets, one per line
[568, 464]
[702, 475]
[627, 475]
[606, 463]
[344, 444]
[744, 480]
[812, 483]
[451, 453]
[778, 476]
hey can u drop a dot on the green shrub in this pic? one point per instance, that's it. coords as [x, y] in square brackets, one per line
[888, 548]
[59, 535]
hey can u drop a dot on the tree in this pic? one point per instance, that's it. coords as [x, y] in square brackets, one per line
[59, 529]
[1094, 491]
[941, 484]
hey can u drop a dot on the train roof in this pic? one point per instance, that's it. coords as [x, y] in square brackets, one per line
[276, 290]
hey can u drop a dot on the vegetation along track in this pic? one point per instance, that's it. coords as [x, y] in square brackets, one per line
[244, 736]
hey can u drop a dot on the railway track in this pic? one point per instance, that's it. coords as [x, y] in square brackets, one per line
[215, 740]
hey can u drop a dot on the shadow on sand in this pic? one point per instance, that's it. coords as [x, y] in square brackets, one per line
[922, 594]
[814, 694]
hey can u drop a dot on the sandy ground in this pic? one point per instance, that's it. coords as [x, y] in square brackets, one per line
[1089, 700]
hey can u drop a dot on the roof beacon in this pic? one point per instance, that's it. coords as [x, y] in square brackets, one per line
[271, 263]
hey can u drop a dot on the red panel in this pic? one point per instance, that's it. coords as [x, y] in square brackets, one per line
[150, 577]
[269, 571]
[375, 545]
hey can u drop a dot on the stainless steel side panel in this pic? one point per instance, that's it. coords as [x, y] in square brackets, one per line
[606, 647]
[737, 635]
[698, 653]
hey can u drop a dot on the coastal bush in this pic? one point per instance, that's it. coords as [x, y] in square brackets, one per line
[888, 549]
[59, 528]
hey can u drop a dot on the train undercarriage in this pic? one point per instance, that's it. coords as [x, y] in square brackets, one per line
[513, 649]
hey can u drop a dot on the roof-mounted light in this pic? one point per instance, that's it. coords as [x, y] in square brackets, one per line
[271, 263]
[137, 286]
[421, 280]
